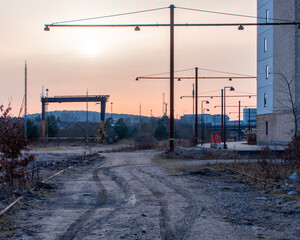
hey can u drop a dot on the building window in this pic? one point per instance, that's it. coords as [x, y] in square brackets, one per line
[267, 127]
[265, 45]
[267, 71]
[265, 99]
[267, 15]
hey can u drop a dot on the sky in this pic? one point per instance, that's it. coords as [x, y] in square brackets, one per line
[106, 61]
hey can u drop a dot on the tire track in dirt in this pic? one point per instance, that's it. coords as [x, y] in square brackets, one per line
[166, 232]
[192, 213]
[75, 227]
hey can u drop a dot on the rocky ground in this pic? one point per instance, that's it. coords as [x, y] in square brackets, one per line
[125, 195]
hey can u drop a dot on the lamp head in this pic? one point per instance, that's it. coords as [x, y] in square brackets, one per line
[137, 28]
[137, 79]
[241, 27]
[232, 89]
[207, 102]
[179, 79]
[47, 29]
[230, 79]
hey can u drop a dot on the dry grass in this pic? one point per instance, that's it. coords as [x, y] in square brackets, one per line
[249, 173]
[8, 222]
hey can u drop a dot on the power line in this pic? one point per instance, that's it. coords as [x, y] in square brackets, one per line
[230, 14]
[108, 16]
[155, 74]
[211, 70]
[204, 69]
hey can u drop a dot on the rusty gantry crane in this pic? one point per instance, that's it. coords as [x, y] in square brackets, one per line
[102, 99]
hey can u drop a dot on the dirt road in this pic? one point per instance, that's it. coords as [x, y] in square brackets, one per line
[127, 196]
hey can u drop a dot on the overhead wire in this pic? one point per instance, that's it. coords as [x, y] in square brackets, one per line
[231, 14]
[204, 69]
[108, 16]
[156, 74]
[156, 9]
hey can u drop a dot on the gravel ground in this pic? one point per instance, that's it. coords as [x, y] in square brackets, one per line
[127, 196]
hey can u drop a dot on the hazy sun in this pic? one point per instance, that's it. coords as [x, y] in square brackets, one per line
[90, 46]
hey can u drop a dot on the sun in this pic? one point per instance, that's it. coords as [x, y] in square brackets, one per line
[90, 46]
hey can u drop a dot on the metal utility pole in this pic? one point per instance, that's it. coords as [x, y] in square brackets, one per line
[163, 105]
[172, 78]
[196, 106]
[222, 117]
[239, 120]
[25, 102]
[111, 109]
[193, 93]
[87, 118]
[140, 111]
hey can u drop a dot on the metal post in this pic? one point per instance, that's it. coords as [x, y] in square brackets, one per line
[87, 118]
[193, 92]
[224, 130]
[163, 110]
[239, 121]
[25, 102]
[111, 107]
[171, 78]
[47, 124]
[202, 123]
[222, 117]
[102, 104]
[196, 106]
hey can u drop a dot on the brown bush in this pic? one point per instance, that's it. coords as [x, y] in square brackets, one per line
[14, 160]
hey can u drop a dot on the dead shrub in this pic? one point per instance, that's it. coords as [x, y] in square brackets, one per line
[14, 157]
[145, 141]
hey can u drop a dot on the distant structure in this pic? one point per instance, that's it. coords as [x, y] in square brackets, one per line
[208, 119]
[278, 68]
[45, 100]
[249, 116]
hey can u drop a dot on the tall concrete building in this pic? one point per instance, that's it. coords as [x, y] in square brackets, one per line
[278, 68]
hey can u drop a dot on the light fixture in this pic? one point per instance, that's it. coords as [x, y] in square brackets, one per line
[207, 102]
[230, 79]
[241, 27]
[137, 28]
[46, 28]
[179, 79]
[231, 88]
[137, 79]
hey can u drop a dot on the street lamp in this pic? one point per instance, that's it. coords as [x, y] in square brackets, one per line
[224, 131]
[202, 110]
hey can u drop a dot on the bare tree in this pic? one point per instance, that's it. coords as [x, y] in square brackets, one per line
[288, 105]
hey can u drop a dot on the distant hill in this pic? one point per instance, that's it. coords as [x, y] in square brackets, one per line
[80, 116]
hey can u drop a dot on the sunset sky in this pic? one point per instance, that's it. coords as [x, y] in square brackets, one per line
[68, 61]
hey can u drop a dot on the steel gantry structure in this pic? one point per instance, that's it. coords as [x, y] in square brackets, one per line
[102, 99]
